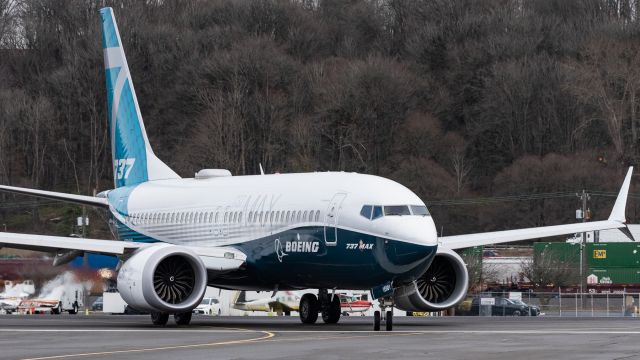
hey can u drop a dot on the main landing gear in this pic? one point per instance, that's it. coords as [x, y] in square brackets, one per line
[162, 319]
[384, 314]
[325, 303]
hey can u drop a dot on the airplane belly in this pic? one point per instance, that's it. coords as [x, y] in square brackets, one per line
[299, 259]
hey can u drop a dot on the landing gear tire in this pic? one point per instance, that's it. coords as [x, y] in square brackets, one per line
[57, 310]
[389, 320]
[331, 311]
[376, 321]
[74, 310]
[309, 309]
[159, 319]
[182, 318]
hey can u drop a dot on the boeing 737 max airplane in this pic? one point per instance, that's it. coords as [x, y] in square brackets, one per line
[326, 231]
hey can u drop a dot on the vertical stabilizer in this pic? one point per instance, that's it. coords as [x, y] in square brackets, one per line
[133, 160]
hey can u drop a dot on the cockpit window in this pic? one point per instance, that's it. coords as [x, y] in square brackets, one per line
[377, 212]
[366, 211]
[396, 210]
[419, 210]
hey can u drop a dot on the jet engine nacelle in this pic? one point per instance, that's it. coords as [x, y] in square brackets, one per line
[163, 278]
[442, 286]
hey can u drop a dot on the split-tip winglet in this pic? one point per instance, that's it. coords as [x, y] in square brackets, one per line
[618, 211]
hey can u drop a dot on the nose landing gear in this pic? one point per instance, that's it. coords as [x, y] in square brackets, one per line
[384, 314]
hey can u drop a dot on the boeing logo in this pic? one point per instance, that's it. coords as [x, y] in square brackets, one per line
[298, 246]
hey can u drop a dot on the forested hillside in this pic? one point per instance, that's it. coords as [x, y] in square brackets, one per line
[473, 102]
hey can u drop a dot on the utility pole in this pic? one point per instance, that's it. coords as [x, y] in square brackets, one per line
[584, 197]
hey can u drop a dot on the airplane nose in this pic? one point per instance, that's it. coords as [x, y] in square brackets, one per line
[405, 253]
[413, 229]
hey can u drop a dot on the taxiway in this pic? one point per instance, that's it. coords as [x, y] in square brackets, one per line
[132, 337]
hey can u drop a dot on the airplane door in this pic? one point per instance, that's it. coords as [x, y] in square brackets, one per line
[331, 219]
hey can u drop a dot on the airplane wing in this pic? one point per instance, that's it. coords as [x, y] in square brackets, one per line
[79, 199]
[616, 221]
[55, 243]
[215, 259]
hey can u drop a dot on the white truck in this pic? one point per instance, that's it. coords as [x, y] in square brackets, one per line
[70, 299]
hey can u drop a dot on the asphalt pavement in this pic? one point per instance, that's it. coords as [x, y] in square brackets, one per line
[133, 337]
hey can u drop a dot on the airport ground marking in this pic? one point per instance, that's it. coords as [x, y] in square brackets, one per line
[610, 331]
[266, 335]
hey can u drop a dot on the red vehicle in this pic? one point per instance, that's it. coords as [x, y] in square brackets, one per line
[357, 303]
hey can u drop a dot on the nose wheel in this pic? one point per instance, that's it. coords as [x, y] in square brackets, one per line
[384, 315]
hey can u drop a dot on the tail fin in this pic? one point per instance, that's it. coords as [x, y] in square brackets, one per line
[133, 160]
[238, 297]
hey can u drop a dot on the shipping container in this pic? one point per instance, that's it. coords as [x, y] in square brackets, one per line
[613, 276]
[606, 263]
[613, 255]
[564, 251]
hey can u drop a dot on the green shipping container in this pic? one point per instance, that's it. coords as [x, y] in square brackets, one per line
[565, 251]
[614, 276]
[476, 250]
[613, 255]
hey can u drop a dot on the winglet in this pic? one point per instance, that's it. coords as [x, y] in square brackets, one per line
[618, 211]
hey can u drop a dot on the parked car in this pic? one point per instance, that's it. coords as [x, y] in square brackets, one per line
[208, 306]
[98, 304]
[502, 307]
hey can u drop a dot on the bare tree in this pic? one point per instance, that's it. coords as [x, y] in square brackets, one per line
[548, 270]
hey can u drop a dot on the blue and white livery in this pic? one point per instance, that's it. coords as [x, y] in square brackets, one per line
[323, 230]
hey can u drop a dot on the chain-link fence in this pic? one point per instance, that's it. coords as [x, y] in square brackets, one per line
[550, 304]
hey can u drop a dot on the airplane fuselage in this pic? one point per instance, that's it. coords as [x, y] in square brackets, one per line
[298, 230]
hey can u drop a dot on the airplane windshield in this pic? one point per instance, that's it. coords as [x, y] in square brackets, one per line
[419, 210]
[396, 210]
[373, 212]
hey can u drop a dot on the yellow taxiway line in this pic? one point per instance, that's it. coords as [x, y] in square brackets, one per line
[266, 335]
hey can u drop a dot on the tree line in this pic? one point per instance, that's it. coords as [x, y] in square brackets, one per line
[456, 99]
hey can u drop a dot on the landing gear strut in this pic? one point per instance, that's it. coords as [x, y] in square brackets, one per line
[384, 314]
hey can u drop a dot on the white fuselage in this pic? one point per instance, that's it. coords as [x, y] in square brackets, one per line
[313, 214]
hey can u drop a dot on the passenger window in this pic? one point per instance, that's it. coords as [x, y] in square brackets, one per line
[240, 217]
[366, 211]
[377, 212]
[317, 215]
[304, 216]
[288, 216]
[311, 216]
[299, 214]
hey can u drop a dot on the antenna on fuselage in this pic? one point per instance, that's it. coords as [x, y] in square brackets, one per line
[261, 169]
